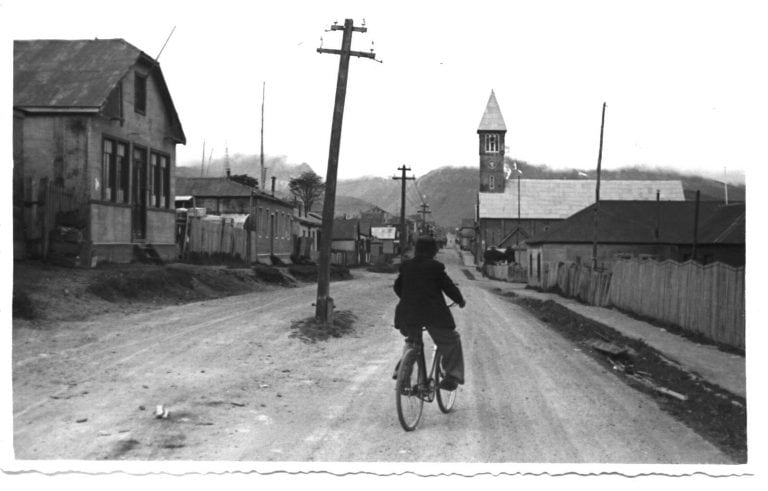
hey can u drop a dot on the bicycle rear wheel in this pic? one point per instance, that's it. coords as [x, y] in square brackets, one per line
[445, 398]
[408, 396]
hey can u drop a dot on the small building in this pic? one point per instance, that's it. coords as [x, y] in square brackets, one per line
[306, 231]
[383, 243]
[351, 242]
[94, 133]
[271, 218]
[645, 230]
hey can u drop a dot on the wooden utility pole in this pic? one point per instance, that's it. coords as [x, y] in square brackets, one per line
[403, 227]
[202, 163]
[597, 193]
[424, 211]
[263, 171]
[324, 303]
[517, 235]
[695, 226]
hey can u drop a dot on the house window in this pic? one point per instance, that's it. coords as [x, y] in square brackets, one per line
[140, 94]
[165, 171]
[152, 179]
[491, 182]
[160, 177]
[108, 170]
[122, 168]
[492, 143]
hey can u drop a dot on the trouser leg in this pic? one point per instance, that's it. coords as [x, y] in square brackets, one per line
[448, 341]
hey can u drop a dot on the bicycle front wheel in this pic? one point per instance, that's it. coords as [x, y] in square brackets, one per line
[445, 398]
[408, 392]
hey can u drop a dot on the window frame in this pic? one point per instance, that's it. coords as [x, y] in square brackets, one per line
[140, 93]
[492, 143]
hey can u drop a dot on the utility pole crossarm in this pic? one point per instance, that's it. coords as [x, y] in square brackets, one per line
[359, 54]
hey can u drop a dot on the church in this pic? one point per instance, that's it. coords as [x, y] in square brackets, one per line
[511, 209]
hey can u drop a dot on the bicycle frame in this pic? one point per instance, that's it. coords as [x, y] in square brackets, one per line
[427, 387]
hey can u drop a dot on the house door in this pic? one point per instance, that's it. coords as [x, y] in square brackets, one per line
[139, 194]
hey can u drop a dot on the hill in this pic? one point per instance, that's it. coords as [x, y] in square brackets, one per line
[450, 192]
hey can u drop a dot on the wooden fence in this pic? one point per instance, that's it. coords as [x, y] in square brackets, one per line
[708, 300]
[220, 237]
[42, 207]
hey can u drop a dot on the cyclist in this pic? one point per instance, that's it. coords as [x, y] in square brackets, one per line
[420, 286]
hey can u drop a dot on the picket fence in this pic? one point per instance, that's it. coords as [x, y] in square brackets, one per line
[217, 237]
[705, 299]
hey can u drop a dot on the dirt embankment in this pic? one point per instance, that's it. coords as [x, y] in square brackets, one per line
[44, 293]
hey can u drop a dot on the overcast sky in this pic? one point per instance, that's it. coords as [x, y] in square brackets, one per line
[684, 81]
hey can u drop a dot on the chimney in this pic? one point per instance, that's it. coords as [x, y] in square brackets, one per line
[273, 185]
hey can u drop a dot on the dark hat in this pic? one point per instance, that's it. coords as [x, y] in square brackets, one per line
[426, 246]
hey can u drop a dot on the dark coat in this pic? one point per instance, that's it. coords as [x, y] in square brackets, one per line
[420, 286]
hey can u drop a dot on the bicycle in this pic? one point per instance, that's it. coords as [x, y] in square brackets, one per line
[414, 386]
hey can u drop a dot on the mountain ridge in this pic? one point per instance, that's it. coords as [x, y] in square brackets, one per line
[449, 191]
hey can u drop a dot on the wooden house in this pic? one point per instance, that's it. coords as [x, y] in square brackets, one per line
[650, 230]
[306, 232]
[95, 135]
[351, 242]
[269, 217]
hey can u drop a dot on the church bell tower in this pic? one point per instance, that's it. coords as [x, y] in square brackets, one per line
[491, 135]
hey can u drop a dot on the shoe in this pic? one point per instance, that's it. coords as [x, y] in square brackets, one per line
[449, 384]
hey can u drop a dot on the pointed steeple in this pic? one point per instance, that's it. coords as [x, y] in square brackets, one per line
[492, 118]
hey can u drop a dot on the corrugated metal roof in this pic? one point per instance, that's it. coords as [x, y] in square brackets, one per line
[492, 119]
[561, 198]
[636, 222]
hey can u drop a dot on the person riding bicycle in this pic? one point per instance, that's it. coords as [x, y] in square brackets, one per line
[420, 287]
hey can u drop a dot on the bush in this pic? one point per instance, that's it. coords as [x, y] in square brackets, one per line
[22, 305]
[308, 272]
[268, 274]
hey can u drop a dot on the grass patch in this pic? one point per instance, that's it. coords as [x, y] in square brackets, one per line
[310, 330]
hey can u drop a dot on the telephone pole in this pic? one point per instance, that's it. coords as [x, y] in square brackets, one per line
[262, 170]
[597, 193]
[324, 303]
[403, 227]
[424, 211]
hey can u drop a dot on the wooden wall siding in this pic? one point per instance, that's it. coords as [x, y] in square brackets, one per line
[707, 300]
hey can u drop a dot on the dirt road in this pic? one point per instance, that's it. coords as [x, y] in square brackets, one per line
[240, 387]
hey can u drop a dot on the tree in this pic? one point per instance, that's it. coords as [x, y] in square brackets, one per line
[246, 180]
[308, 187]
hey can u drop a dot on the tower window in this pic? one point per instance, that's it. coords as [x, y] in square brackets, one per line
[491, 182]
[492, 143]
